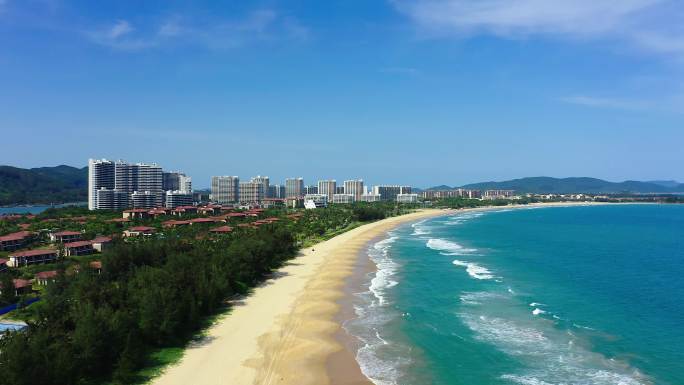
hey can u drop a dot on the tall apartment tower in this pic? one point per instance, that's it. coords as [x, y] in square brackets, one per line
[100, 176]
[265, 182]
[327, 187]
[225, 189]
[294, 187]
[176, 181]
[112, 183]
[390, 192]
[252, 192]
[355, 188]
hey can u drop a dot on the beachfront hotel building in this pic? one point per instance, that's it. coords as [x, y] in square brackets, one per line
[390, 192]
[109, 182]
[498, 194]
[225, 189]
[407, 198]
[370, 197]
[312, 201]
[311, 190]
[294, 187]
[176, 181]
[343, 198]
[177, 199]
[252, 192]
[354, 188]
[265, 182]
[276, 191]
[327, 187]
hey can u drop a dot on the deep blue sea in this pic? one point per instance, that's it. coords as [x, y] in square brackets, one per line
[532, 296]
[37, 209]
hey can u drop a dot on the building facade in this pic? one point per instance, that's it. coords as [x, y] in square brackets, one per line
[124, 178]
[225, 189]
[390, 192]
[251, 192]
[354, 187]
[294, 187]
[265, 183]
[327, 187]
[178, 198]
[343, 198]
[407, 198]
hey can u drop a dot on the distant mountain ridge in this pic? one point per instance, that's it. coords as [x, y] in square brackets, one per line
[60, 184]
[540, 185]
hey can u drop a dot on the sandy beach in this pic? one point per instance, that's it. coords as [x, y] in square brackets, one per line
[288, 331]
[284, 332]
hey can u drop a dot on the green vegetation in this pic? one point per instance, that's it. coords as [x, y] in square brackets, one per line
[547, 185]
[43, 185]
[154, 294]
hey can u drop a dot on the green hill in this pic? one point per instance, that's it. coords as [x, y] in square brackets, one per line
[575, 185]
[59, 184]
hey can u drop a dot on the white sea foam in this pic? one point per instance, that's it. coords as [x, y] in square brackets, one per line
[448, 247]
[386, 269]
[419, 228]
[474, 270]
[538, 311]
[381, 360]
[551, 357]
[535, 304]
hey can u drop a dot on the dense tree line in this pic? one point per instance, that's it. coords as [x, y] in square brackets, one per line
[93, 327]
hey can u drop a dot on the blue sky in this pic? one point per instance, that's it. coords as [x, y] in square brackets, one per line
[422, 92]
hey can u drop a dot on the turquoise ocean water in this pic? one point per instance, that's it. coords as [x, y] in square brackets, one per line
[536, 296]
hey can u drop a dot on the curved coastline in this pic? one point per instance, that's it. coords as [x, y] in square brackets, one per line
[289, 330]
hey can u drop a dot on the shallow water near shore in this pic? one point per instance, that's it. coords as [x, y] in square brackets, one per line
[531, 296]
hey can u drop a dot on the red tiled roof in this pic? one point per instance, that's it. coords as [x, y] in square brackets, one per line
[272, 219]
[95, 265]
[141, 228]
[46, 274]
[101, 240]
[32, 253]
[77, 244]
[172, 223]
[236, 215]
[222, 229]
[136, 210]
[119, 220]
[3, 261]
[202, 220]
[15, 236]
[244, 225]
[63, 233]
[187, 207]
[21, 283]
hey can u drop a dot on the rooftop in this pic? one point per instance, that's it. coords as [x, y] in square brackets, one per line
[31, 253]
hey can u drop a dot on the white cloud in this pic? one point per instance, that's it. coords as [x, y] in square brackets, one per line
[614, 103]
[648, 24]
[255, 26]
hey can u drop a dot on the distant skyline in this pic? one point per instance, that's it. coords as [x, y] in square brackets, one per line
[421, 92]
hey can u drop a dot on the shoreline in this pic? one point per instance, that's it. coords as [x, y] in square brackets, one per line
[284, 331]
[343, 367]
[290, 329]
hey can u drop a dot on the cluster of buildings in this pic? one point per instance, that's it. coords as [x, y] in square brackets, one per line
[469, 194]
[117, 185]
[258, 190]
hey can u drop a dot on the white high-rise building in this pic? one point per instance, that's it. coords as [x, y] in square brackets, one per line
[265, 182]
[354, 188]
[124, 178]
[294, 187]
[343, 198]
[100, 176]
[178, 198]
[327, 187]
[225, 189]
[176, 181]
[252, 192]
